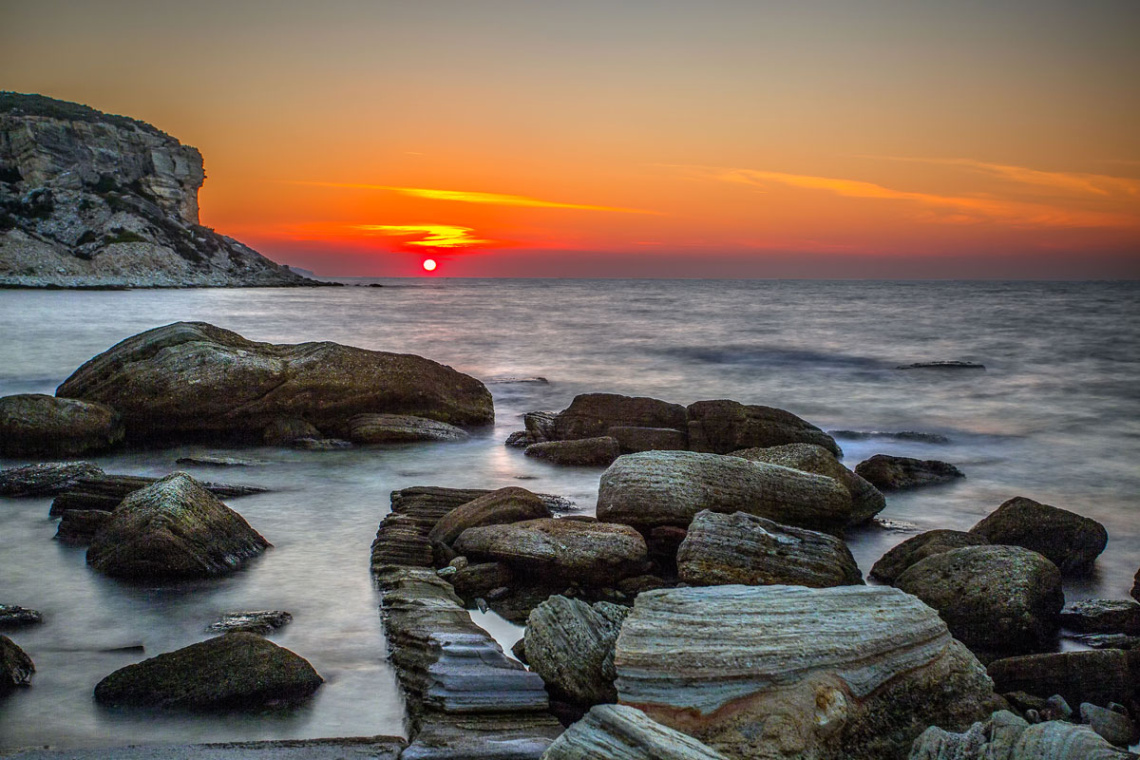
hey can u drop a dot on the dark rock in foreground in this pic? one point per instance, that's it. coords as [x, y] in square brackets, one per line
[582, 452]
[724, 426]
[889, 473]
[261, 622]
[193, 379]
[16, 667]
[621, 732]
[34, 424]
[917, 548]
[570, 644]
[46, 479]
[235, 671]
[13, 616]
[1070, 541]
[994, 598]
[1097, 676]
[174, 528]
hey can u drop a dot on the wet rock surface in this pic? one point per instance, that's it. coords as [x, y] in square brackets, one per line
[1097, 676]
[1102, 616]
[621, 732]
[235, 671]
[1070, 541]
[261, 622]
[742, 548]
[724, 426]
[890, 473]
[45, 479]
[174, 528]
[506, 505]
[401, 428]
[283, 431]
[892, 564]
[16, 668]
[583, 452]
[14, 616]
[35, 424]
[570, 644]
[106, 492]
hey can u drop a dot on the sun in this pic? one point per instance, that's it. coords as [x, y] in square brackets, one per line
[429, 265]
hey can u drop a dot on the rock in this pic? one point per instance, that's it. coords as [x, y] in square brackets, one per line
[174, 528]
[638, 584]
[743, 548]
[570, 644]
[591, 415]
[321, 444]
[109, 202]
[1107, 640]
[904, 435]
[1056, 708]
[46, 479]
[943, 365]
[583, 452]
[210, 460]
[866, 500]
[78, 526]
[917, 548]
[756, 671]
[663, 543]
[1102, 616]
[563, 550]
[1007, 737]
[1136, 587]
[401, 428]
[670, 487]
[14, 616]
[430, 503]
[1057, 740]
[1097, 676]
[1113, 727]
[519, 439]
[720, 427]
[480, 579]
[888, 473]
[105, 492]
[632, 439]
[283, 431]
[16, 667]
[241, 671]
[1070, 541]
[261, 622]
[402, 540]
[994, 598]
[34, 424]
[539, 426]
[193, 379]
[620, 732]
[506, 505]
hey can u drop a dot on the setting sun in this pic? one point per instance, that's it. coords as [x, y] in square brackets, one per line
[429, 265]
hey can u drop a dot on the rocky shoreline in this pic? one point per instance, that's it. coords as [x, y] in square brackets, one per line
[709, 609]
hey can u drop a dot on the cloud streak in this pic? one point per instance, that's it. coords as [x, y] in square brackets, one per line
[430, 235]
[1081, 183]
[494, 199]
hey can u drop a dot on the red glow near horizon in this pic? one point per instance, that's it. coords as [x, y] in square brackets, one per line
[429, 265]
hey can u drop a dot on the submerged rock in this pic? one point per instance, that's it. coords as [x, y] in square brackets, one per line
[724, 426]
[1102, 616]
[621, 732]
[583, 452]
[775, 671]
[401, 428]
[16, 667]
[241, 671]
[742, 548]
[1097, 676]
[211, 460]
[46, 479]
[593, 414]
[993, 598]
[193, 379]
[261, 622]
[34, 424]
[917, 548]
[890, 473]
[655, 488]
[506, 505]
[174, 528]
[1070, 541]
[570, 644]
[14, 616]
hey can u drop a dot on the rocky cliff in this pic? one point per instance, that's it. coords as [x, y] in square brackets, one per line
[88, 199]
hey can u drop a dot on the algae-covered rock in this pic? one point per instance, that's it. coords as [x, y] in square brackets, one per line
[45, 479]
[401, 428]
[593, 414]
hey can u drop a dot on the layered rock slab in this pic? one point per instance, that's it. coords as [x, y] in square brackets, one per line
[741, 548]
[570, 644]
[192, 379]
[655, 488]
[620, 732]
[401, 428]
[758, 672]
[35, 424]
[1097, 676]
[1071, 541]
[506, 505]
[45, 478]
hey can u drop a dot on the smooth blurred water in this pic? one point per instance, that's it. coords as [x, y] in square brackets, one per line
[1055, 417]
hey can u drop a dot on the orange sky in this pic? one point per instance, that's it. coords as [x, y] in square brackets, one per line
[637, 138]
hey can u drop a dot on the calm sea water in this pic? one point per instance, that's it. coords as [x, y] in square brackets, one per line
[1055, 417]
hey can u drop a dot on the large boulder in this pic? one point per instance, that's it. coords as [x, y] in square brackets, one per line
[401, 428]
[917, 548]
[724, 426]
[788, 671]
[16, 667]
[571, 645]
[1007, 737]
[742, 548]
[866, 500]
[174, 528]
[995, 599]
[582, 452]
[506, 505]
[236, 671]
[890, 473]
[1070, 541]
[620, 732]
[194, 379]
[1099, 676]
[593, 414]
[45, 479]
[34, 424]
[567, 551]
[655, 488]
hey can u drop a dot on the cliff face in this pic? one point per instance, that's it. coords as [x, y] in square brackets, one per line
[96, 200]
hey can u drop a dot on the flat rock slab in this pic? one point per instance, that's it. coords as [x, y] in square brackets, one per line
[951, 365]
[234, 671]
[211, 460]
[890, 473]
[46, 479]
[620, 732]
[581, 452]
[1097, 676]
[401, 428]
[34, 424]
[1102, 616]
[348, 748]
[1072, 542]
[655, 488]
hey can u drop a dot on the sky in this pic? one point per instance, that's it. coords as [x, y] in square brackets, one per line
[631, 138]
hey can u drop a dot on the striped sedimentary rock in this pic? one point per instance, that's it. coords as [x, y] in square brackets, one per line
[107, 491]
[655, 488]
[771, 671]
[620, 732]
[742, 548]
[571, 645]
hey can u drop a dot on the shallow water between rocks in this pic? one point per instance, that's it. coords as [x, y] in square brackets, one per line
[1055, 417]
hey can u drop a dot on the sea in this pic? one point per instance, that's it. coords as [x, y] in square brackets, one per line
[1054, 416]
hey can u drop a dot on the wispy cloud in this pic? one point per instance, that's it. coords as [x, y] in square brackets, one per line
[1085, 183]
[470, 196]
[430, 235]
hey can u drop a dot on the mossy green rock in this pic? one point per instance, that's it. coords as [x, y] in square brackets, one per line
[234, 671]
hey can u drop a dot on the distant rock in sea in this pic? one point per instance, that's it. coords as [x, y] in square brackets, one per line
[93, 200]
